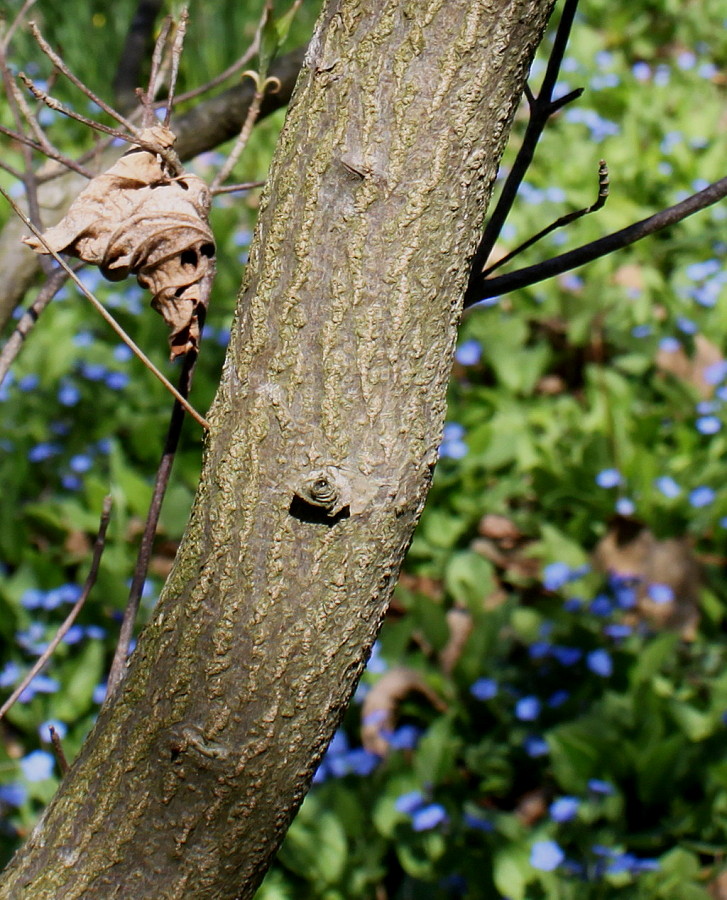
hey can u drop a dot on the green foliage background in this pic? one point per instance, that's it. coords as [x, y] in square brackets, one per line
[563, 691]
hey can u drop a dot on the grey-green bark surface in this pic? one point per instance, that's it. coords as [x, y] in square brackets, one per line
[324, 435]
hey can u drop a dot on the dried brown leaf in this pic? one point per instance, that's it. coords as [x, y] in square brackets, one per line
[136, 218]
[630, 550]
[381, 704]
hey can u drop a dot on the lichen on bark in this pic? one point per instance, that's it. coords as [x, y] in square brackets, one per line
[338, 363]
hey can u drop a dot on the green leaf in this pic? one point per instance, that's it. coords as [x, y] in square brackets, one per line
[316, 848]
[468, 579]
[437, 751]
[511, 871]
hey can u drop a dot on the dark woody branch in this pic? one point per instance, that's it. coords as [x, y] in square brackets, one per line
[484, 288]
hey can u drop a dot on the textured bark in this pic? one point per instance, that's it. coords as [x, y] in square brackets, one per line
[324, 435]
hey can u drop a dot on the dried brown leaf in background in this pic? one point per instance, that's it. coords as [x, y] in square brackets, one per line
[136, 218]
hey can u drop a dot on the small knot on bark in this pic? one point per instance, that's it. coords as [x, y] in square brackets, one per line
[326, 489]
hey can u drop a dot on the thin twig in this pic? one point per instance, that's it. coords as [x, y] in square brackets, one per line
[15, 24]
[176, 55]
[73, 614]
[161, 481]
[542, 108]
[247, 126]
[15, 342]
[55, 740]
[136, 137]
[134, 53]
[243, 186]
[46, 150]
[147, 97]
[98, 306]
[599, 203]
[63, 68]
[504, 284]
[230, 71]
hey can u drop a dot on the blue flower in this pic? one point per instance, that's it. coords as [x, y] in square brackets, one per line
[477, 822]
[361, 762]
[538, 650]
[701, 496]
[484, 689]
[564, 809]
[625, 506]
[617, 631]
[33, 598]
[660, 593]
[29, 383]
[708, 425]
[405, 737]
[99, 693]
[598, 786]
[556, 575]
[44, 450]
[80, 463]
[558, 698]
[428, 817]
[600, 663]
[608, 478]
[37, 766]
[409, 802]
[9, 674]
[117, 381]
[13, 794]
[566, 656]
[452, 446]
[601, 606]
[669, 345]
[93, 371]
[536, 746]
[686, 326]
[68, 394]
[527, 709]
[641, 331]
[122, 353]
[546, 856]
[667, 486]
[469, 352]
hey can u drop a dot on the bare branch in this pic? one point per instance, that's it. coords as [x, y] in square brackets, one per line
[232, 188]
[73, 614]
[25, 325]
[599, 203]
[14, 25]
[152, 520]
[136, 47]
[176, 55]
[482, 289]
[63, 68]
[55, 740]
[98, 306]
[241, 142]
[147, 97]
[542, 108]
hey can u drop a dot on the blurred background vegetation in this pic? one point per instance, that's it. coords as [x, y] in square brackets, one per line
[545, 713]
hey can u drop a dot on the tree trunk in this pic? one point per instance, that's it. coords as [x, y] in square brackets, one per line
[324, 436]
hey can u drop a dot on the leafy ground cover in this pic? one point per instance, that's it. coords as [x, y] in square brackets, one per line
[544, 715]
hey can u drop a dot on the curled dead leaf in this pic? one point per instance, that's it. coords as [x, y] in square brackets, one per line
[379, 711]
[630, 550]
[137, 218]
